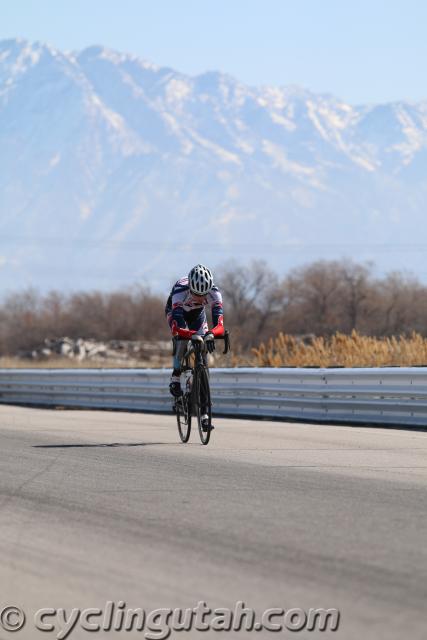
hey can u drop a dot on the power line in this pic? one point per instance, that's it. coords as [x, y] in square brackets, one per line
[185, 246]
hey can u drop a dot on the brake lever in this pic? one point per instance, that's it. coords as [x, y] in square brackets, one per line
[227, 345]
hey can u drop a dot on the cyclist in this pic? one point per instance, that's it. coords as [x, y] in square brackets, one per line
[185, 312]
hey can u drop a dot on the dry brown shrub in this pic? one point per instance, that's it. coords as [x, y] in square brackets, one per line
[342, 350]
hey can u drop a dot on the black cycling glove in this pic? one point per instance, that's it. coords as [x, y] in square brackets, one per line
[210, 342]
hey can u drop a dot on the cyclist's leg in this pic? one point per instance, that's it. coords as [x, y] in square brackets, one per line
[179, 350]
[175, 379]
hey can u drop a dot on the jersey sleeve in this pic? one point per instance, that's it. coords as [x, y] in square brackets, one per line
[215, 301]
[178, 309]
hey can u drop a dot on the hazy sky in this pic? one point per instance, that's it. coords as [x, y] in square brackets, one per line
[360, 50]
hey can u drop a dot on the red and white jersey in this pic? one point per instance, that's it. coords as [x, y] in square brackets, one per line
[182, 306]
[182, 297]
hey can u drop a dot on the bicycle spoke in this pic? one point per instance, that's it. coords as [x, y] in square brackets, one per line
[183, 417]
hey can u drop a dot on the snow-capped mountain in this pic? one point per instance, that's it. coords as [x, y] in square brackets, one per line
[114, 170]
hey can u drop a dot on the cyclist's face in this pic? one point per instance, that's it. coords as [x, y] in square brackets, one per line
[197, 298]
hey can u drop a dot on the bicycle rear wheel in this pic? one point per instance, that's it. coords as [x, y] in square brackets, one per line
[183, 417]
[203, 403]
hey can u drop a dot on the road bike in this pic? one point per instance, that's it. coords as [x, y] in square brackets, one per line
[195, 401]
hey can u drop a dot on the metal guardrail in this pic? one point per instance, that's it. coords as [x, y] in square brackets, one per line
[383, 396]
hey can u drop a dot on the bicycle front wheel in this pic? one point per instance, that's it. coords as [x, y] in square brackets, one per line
[183, 417]
[203, 404]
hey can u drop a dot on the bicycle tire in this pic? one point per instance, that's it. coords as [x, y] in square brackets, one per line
[183, 417]
[202, 401]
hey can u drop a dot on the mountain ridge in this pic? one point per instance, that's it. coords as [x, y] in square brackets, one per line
[128, 151]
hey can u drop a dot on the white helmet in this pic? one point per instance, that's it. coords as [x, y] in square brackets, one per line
[200, 280]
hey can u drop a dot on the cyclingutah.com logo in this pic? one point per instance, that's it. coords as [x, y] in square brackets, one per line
[158, 624]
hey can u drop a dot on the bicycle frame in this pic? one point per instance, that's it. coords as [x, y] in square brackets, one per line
[196, 399]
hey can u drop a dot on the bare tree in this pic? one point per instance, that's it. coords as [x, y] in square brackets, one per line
[314, 294]
[356, 295]
[252, 300]
[401, 305]
[28, 318]
[319, 298]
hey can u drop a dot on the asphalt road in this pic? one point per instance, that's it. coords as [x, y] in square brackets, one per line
[99, 506]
